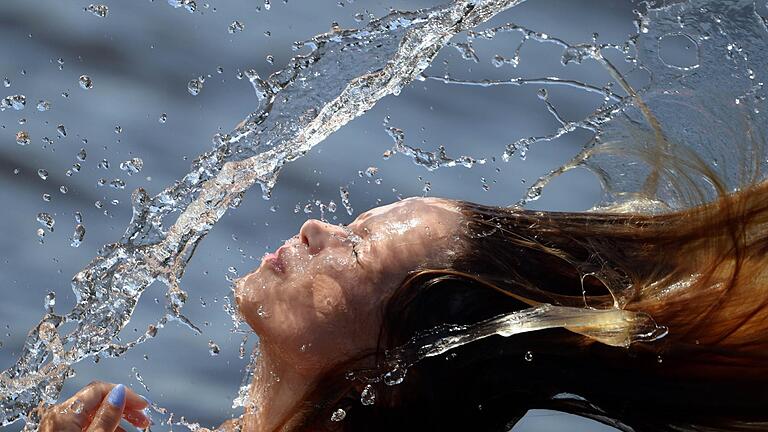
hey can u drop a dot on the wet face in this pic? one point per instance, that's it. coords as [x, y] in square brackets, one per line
[317, 299]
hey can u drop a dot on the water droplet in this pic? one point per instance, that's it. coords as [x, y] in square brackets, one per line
[368, 396]
[104, 164]
[43, 174]
[78, 234]
[41, 235]
[528, 356]
[46, 220]
[132, 166]
[49, 302]
[6, 82]
[78, 217]
[117, 183]
[17, 102]
[338, 415]
[190, 6]
[43, 105]
[195, 86]
[163, 118]
[371, 171]
[236, 27]
[213, 349]
[22, 138]
[118, 129]
[81, 155]
[659, 359]
[86, 82]
[542, 94]
[77, 406]
[98, 10]
[63, 189]
[47, 197]
[61, 130]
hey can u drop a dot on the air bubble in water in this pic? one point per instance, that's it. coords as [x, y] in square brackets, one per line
[43, 174]
[338, 415]
[163, 118]
[118, 129]
[22, 138]
[195, 86]
[190, 6]
[61, 130]
[99, 10]
[47, 197]
[86, 82]
[213, 349]
[236, 27]
[63, 189]
[528, 356]
[132, 166]
[46, 220]
[78, 235]
[6, 82]
[40, 235]
[368, 396]
[81, 155]
[117, 183]
[43, 105]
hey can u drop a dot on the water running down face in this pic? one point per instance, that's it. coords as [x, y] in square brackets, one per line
[318, 298]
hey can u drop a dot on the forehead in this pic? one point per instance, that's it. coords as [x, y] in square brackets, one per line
[426, 211]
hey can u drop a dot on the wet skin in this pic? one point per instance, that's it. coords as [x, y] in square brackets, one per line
[318, 299]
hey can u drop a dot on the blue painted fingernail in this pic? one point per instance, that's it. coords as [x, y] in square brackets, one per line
[116, 396]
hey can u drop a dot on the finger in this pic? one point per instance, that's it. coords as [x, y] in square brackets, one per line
[107, 418]
[137, 418]
[85, 402]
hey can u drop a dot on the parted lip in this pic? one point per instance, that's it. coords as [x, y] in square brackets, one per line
[275, 260]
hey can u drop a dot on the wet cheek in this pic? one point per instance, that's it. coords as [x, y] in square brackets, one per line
[328, 297]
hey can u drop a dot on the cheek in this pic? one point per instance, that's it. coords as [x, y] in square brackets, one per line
[329, 298]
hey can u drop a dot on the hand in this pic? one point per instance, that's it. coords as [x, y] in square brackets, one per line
[98, 407]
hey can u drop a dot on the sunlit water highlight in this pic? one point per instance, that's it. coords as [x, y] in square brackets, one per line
[663, 115]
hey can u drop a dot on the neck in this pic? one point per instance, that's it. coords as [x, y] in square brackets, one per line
[275, 390]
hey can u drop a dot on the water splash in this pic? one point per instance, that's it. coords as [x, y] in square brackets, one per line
[345, 73]
[614, 327]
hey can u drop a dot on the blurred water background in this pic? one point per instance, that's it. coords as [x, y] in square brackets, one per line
[140, 58]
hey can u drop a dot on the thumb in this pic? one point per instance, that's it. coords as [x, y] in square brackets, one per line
[107, 418]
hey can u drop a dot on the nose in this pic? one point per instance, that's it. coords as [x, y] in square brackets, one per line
[317, 235]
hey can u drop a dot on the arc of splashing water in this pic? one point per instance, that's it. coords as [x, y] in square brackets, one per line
[284, 129]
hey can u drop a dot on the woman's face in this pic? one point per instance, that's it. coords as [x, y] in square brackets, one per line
[318, 298]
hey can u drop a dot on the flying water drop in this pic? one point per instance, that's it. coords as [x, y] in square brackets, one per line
[46, 220]
[236, 27]
[86, 83]
[78, 235]
[195, 86]
[98, 10]
[132, 166]
[22, 138]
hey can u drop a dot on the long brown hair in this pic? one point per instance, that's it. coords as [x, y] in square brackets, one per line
[701, 272]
